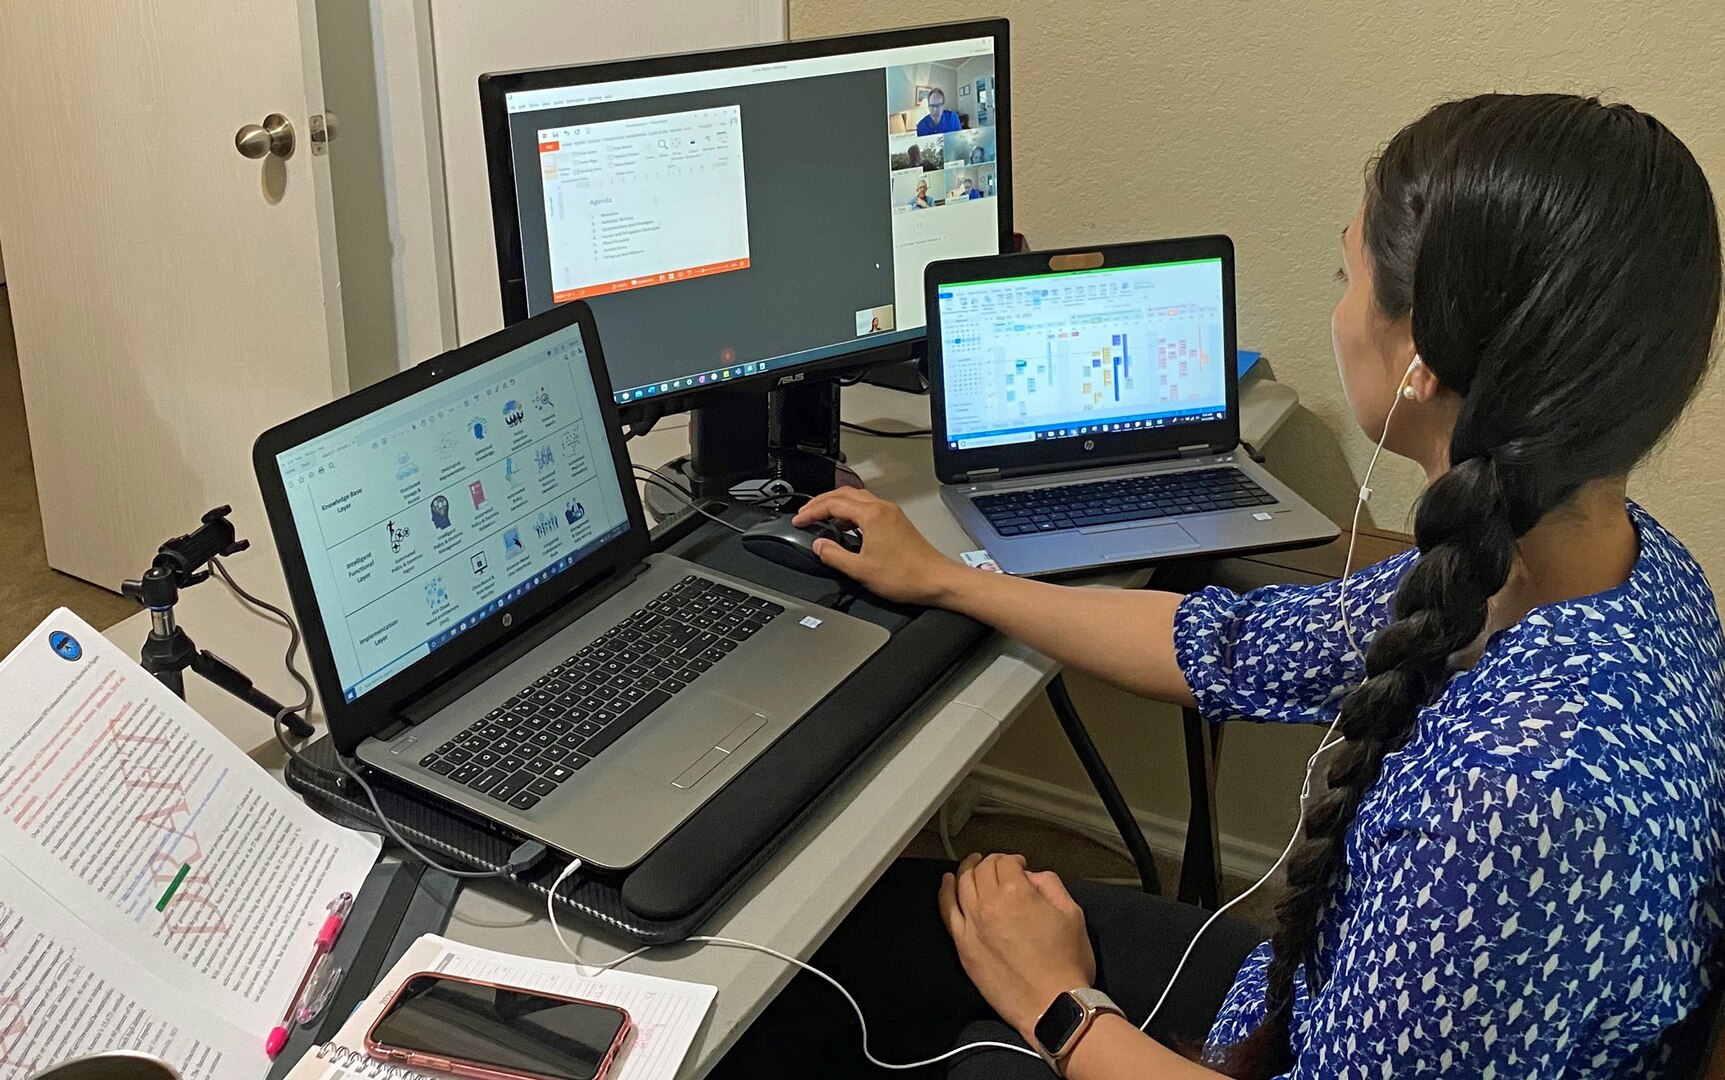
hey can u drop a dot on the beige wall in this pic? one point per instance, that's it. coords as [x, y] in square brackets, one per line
[1135, 119]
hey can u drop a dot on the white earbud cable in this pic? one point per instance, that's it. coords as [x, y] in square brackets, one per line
[1328, 742]
[734, 943]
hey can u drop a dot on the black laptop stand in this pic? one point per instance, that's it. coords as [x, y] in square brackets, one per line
[669, 894]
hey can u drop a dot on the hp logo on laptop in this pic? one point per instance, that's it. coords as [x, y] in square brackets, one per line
[1089, 444]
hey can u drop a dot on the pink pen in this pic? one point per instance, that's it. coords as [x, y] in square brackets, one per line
[332, 924]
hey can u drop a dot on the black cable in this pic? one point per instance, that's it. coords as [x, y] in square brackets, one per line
[377, 809]
[670, 478]
[304, 706]
[882, 433]
[305, 762]
[652, 477]
[1252, 451]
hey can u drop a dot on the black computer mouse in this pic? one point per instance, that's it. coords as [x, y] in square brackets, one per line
[781, 542]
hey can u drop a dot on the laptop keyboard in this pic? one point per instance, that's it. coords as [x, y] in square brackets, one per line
[1132, 498]
[524, 749]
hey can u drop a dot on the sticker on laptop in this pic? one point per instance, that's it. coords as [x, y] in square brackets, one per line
[981, 560]
[810, 621]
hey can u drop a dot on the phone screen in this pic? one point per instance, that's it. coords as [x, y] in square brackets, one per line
[510, 1029]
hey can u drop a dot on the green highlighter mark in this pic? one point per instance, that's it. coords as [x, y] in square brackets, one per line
[185, 868]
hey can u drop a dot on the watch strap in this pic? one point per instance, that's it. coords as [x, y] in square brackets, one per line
[1095, 1001]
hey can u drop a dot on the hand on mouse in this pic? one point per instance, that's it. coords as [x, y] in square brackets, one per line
[896, 562]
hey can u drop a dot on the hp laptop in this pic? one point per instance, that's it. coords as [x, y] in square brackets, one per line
[467, 555]
[1086, 409]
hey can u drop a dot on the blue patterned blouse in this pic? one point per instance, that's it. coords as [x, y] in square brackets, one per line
[1534, 883]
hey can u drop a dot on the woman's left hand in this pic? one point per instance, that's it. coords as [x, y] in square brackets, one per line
[1019, 934]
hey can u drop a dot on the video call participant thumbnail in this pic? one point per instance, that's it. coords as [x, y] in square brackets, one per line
[940, 119]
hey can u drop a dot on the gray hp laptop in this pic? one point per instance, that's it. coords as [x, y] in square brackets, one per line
[467, 555]
[1086, 409]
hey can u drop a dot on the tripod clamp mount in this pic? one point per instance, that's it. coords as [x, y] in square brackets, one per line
[181, 563]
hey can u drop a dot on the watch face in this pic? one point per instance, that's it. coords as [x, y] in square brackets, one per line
[1059, 1023]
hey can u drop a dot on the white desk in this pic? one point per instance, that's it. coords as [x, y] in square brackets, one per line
[857, 830]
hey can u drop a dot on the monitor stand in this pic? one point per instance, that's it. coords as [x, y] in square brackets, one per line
[789, 434]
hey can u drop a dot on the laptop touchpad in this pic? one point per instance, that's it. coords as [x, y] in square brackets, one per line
[1141, 542]
[714, 721]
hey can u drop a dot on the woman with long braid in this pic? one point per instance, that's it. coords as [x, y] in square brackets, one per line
[1518, 866]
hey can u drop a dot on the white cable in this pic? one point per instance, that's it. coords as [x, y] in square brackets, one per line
[1354, 529]
[1299, 826]
[1329, 741]
[734, 943]
[861, 1021]
[945, 834]
[551, 913]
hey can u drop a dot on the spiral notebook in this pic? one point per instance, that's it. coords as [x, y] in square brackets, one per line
[667, 1013]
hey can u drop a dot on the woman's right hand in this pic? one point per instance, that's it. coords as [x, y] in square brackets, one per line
[896, 562]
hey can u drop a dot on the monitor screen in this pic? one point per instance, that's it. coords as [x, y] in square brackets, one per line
[1062, 355]
[423, 517]
[740, 214]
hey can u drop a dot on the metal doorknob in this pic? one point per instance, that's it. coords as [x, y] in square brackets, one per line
[275, 136]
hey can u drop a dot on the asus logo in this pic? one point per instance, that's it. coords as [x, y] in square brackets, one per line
[798, 377]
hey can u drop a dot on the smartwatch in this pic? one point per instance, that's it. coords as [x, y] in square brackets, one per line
[1066, 1021]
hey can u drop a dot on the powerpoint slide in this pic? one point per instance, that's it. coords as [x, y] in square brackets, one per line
[969, 182]
[638, 202]
[913, 189]
[974, 147]
[941, 96]
[917, 152]
[874, 320]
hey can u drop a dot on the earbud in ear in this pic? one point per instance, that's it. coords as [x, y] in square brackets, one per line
[1407, 390]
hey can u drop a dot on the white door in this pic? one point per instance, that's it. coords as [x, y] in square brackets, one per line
[172, 298]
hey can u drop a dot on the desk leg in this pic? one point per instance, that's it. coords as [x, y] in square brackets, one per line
[1201, 864]
[1103, 781]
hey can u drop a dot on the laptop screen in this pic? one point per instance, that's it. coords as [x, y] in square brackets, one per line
[421, 518]
[1062, 355]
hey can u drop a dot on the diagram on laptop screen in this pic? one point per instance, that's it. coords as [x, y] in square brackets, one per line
[1066, 354]
[425, 517]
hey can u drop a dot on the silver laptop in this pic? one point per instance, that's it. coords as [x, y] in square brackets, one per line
[468, 558]
[1086, 409]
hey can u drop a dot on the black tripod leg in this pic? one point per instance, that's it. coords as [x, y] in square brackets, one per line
[174, 679]
[1103, 781]
[229, 678]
